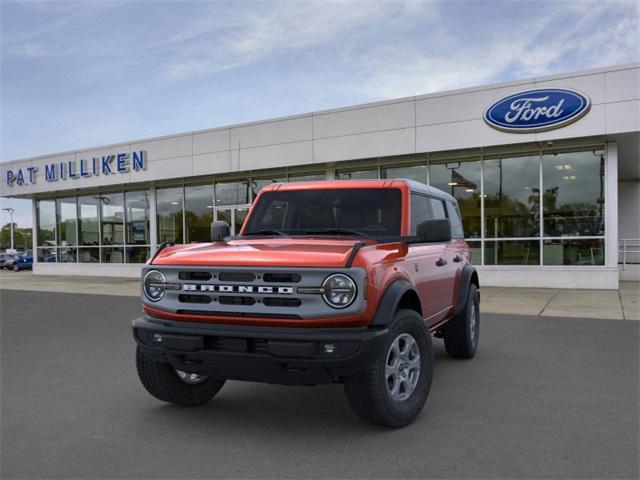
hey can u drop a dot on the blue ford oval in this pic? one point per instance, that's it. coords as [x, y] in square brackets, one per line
[537, 110]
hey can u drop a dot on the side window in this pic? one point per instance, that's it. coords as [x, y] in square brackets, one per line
[456, 222]
[437, 207]
[420, 211]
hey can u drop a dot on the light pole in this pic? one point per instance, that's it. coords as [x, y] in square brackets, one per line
[11, 212]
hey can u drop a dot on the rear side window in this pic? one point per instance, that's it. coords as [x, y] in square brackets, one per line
[437, 207]
[420, 211]
[456, 221]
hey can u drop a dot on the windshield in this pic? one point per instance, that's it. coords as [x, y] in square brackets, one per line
[358, 211]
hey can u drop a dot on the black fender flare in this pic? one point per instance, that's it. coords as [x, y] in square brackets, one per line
[389, 302]
[467, 277]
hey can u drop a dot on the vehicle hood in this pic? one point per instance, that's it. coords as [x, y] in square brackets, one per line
[273, 252]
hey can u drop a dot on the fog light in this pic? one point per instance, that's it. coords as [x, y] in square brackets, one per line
[329, 348]
[157, 338]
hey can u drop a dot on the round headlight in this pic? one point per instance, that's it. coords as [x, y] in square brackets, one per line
[153, 285]
[339, 290]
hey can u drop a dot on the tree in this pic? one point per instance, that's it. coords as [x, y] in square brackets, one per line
[21, 237]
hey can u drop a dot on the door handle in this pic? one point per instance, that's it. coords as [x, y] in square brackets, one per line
[457, 259]
[441, 262]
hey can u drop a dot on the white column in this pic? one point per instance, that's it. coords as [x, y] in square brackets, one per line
[153, 218]
[611, 205]
[330, 172]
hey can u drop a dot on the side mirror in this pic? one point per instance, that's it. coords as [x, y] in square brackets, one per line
[219, 231]
[435, 231]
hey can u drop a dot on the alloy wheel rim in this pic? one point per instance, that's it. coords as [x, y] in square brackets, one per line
[190, 378]
[473, 323]
[402, 367]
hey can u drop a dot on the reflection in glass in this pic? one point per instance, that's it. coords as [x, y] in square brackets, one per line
[67, 255]
[88, 220]
[574, 252]
[67, 212]
[169, 207]
[46, 218]
[368, 174]
[461, 180]
[198, 212]
[112, 218]
[137, 254]
[232, 193]
[476, 251]
[47, 254]
[512, 252]
[413, 172]
[224, 215]
[307, 177]
[258, 184]
[137, 218]
[512, 197]
[89, 255]
[573, 199]
[112, 254]
[239, 216]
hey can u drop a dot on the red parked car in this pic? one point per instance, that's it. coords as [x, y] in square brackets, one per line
[336, 281]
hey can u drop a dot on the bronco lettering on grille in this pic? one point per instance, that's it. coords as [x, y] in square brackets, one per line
[191, 287]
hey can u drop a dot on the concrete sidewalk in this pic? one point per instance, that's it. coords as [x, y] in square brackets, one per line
[620, 304]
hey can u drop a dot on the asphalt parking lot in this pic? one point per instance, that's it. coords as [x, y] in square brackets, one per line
[544, 398]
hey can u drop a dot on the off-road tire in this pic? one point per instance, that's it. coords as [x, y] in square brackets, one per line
[161, 380]
[459, 340]
[367, 392]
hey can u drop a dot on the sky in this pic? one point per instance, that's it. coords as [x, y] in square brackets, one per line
[87, 73]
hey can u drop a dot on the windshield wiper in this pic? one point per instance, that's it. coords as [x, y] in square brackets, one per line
[337, 231]
[267, 231]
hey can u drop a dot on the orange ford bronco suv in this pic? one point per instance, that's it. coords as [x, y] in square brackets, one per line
[336, 281]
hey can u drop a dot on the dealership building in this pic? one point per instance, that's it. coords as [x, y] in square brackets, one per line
[546, 172]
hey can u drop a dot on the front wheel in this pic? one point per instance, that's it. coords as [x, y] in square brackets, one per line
[175, 386]
[16, 268]
[393, 389]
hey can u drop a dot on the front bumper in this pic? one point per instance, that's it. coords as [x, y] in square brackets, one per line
[282, 355]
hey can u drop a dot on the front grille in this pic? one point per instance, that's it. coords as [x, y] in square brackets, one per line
[282, 302]
[229, 300]
[236, 277]
[282, 277]
[196, 276]
[194, 298]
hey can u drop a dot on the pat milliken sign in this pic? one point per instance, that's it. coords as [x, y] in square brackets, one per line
[105, 165]
[537, 110]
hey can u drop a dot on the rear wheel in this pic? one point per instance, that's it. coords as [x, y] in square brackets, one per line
[461, 334]
[393, 389]
[175, 386]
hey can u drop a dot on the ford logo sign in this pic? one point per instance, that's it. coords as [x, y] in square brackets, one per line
[537, 110]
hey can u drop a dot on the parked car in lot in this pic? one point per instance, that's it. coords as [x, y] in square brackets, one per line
[6, 260]
[328, 282]
[23, 262]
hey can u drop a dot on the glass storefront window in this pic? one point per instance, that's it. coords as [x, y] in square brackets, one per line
[88, 227]
[47, 254]
[67, 221]
[573, 198]
[512, 252]
[512, 197]
[462, 181]
[368, 174]
[413, 172]
[112, 255]
[307, 177]
[137, 254]
[46, 218]
[574, 252]
[169, 208]
[112, 218]
[476, 251]
[89, 255]
[137, 218]
[258, 184]
[198, 212]
[232, 193]
[67, 255]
